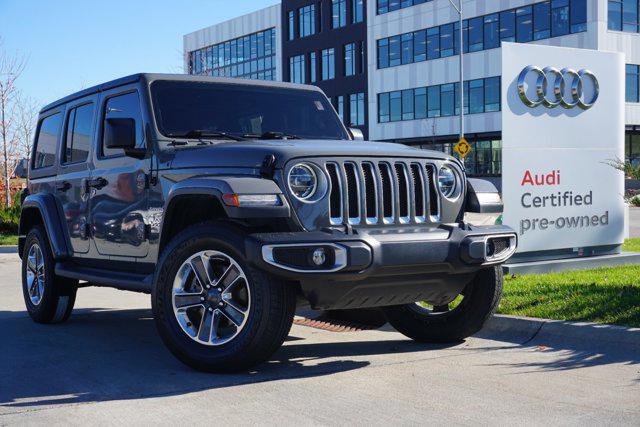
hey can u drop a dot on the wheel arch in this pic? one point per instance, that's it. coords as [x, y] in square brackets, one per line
[197, 200]
[42, 209]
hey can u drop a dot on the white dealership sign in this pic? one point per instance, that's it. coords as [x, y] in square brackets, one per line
[562, 126]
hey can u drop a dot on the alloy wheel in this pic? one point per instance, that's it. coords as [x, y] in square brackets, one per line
[35, 274]
[211, 297]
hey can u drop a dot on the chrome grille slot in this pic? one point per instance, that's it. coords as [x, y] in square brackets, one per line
[403, 192]
[335, 196]
[388, 195]
[353, 192]
[434, 200]
[371, 193]
[382, 192]
[418, 192]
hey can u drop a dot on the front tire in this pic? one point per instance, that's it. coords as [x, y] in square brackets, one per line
[480, 299]
[49, 298]
[213, 311]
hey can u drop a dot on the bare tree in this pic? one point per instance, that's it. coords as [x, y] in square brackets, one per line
[11, 66]
[27, 115]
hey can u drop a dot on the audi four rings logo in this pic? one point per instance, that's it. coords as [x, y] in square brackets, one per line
[558, 79]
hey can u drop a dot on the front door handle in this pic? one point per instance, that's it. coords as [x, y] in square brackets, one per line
[63, 186]
[97, 183]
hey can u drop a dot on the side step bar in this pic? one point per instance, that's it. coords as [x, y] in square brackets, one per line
[112, 279]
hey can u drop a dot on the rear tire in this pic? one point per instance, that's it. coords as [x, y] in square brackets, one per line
[481, 299]
[49, 298]
[268, 304]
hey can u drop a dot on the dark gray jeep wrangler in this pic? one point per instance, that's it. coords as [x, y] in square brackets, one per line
[229, 201]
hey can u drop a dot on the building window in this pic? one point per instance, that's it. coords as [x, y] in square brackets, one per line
[542, 20]
[350, 59]
[313, 67]
[357, 11]
[251, 56]
[297, 69]
[339, 13]
[560, 25]
[481, 95]
[340, 106]
[292, 26]
[632, 83]
[623, 15]
[328, 64]
[386, 6]
[307, 16]
[356, 107]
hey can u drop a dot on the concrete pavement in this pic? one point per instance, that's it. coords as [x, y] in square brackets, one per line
[108, 366]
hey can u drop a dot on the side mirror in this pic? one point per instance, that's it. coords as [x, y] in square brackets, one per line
[483, 197]
[356, 134]
[121, 133]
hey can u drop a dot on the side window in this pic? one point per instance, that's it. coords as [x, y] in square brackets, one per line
[79, 134]
[123, 106]
[45, 149]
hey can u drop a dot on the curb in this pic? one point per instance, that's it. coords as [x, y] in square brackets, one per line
[553, 330]
[9, 249]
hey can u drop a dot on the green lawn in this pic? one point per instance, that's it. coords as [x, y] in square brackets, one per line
[604, 295]
[8, 239]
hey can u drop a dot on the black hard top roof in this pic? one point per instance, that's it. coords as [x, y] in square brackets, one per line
[150, 77]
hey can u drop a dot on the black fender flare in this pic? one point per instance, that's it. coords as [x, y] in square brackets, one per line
[51, 214]
[219, 185]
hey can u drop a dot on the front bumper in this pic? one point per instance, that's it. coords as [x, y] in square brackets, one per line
[385, 266]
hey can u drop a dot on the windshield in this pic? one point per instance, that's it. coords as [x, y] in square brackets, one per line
[204, 109]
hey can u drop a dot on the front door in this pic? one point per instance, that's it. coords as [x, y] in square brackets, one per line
[118, 186]
[74, 170]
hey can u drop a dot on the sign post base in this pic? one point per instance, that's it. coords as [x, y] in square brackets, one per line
[565, 264]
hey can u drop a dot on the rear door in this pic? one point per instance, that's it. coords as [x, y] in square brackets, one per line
[74, 170]
[119, 184]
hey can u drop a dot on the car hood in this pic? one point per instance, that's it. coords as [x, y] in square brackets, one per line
[252, 153]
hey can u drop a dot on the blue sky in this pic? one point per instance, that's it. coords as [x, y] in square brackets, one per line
[73, 44]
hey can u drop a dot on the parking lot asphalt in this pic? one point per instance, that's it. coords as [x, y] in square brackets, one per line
[107, 365]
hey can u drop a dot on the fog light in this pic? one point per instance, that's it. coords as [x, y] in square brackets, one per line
[319, 257]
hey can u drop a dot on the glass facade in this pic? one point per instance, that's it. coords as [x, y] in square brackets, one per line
[350, 59]
[297, 67]
[251, 56]
[386, 6]
[623, 15]
[356, 109]
[339, 13]
[632, 148]
[534, 22]
[485, 158]
[328, 64]
[357, 11]
[632, 83]
[307, 20]
[313, 67]
[481, 96]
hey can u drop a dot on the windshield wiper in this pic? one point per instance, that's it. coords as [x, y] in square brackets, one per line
[271, 135]
[198, 133]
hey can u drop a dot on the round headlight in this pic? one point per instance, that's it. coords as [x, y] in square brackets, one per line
[303, 181]
[448, 182]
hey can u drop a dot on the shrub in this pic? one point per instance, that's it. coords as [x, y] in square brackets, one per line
[10, 217]
[635, 201]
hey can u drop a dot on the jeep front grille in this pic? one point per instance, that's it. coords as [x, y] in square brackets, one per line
[382, 192]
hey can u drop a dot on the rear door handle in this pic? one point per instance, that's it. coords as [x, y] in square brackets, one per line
[97, 183]
[63, 186]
